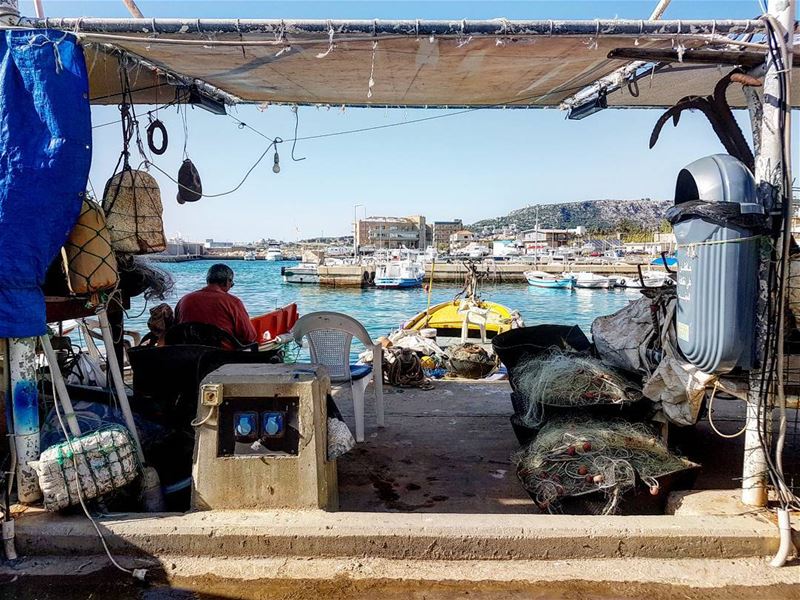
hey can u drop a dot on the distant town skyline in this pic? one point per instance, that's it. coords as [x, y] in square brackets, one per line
[469, 166]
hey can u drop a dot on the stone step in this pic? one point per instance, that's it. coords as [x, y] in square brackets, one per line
[401, 535]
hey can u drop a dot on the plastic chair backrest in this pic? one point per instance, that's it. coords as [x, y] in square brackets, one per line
[329, 335]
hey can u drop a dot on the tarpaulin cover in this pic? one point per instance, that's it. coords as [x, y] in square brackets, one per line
[45, 153]
[724, 214]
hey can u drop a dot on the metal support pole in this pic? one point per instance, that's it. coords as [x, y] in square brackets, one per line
[355, 230]
[25, 414]
[769, 179]
[115, 374]
[62, 395]
[133, 9]
[616, 79]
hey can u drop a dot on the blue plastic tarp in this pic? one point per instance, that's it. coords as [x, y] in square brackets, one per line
[45, 153]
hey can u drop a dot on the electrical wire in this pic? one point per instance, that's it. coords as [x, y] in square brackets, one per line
[274, 143]
[776, 281]
[136, 573]
[727, 436]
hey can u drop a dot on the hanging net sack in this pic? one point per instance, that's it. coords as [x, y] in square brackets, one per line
[89, 260]
[132, 203]
[100, 462]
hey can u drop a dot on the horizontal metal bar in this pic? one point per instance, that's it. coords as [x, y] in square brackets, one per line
[496, 27]
[746, 58]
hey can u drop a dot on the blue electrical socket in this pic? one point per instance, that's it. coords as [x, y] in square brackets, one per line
[273, 424]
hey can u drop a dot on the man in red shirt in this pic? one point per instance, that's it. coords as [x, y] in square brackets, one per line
[214, 305]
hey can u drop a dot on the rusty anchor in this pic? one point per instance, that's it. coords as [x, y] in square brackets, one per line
[716, 109]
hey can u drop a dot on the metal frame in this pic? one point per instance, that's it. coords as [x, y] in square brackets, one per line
[377, 27]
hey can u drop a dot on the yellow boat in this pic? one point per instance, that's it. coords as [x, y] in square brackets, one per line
[447, 319]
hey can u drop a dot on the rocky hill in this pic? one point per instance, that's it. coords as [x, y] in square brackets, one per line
[595, 215]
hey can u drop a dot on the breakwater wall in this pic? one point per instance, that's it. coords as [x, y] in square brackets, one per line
[496, 272]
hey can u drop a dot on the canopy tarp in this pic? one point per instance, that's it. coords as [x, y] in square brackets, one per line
[395, 63]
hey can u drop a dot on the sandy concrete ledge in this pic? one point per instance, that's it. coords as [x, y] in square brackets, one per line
[401, 536]
[702, 573]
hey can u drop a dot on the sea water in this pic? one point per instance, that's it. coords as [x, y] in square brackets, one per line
[261, 288]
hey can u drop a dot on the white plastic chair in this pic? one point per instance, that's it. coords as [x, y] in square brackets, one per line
[473, 315]
[329, 336]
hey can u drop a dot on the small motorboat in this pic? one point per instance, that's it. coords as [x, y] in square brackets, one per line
[305, 272]
[549, 280]
[466, 315]
[591, 280]
[250, 255]
[399, 274]
[651, 279]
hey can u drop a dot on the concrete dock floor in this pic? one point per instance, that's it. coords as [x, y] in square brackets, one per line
[430, 508]
[445, 450]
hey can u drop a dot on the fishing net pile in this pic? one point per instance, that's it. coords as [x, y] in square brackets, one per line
[571, 458]
[568, 380]
[139, 276]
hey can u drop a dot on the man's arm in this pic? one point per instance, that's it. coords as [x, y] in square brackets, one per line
[243, 328]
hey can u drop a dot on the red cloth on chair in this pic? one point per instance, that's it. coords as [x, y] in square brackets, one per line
[214, 306]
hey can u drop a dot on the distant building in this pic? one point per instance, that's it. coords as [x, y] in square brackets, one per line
[460, 238]
[534, 239]
[179, 247]
[210, 243]
[392, 232]
[442, 230]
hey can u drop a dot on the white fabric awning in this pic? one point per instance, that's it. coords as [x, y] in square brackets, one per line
[407, 63]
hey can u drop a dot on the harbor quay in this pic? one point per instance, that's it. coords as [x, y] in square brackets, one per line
[495, 271]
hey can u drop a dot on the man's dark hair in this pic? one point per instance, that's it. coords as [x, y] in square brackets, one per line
[219, 274]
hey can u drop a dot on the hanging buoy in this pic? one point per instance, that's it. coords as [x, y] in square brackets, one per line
[154, 126]
[190, 188]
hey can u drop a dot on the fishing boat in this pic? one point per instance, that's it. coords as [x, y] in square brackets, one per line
[650, 279]
[449, 318]
[588, 280]
[305, 272]
[549, 280]
[251, 255]
[399, 274]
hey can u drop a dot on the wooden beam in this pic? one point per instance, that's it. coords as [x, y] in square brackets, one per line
[746, 58]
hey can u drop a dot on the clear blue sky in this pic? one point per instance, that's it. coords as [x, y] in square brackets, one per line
[472, 166]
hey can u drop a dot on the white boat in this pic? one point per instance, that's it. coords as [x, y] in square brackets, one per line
[549, 280]
[250, 255]
[588, 280]
[399, 274]
[651, 279]
[274, 253]
[305, 272]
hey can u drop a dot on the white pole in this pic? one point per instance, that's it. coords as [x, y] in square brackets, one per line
[38, 8]
[133, 9]
[769, 162]
[355, 229]
[618, 77]
[116, 378]
[25, 414]
[61, 388]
